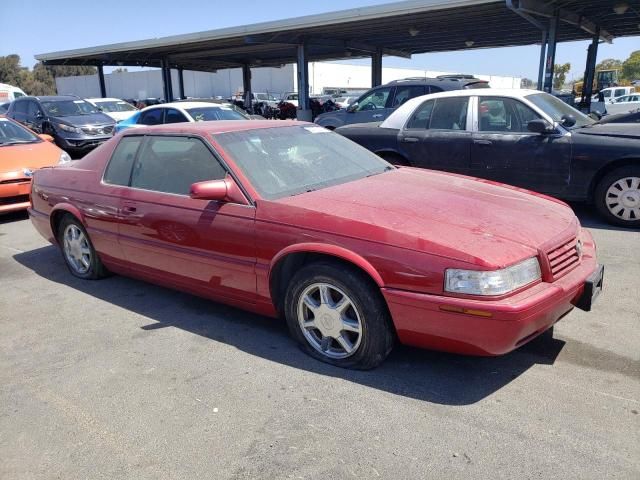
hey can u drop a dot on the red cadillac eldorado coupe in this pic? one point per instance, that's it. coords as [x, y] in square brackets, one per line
[287, 218]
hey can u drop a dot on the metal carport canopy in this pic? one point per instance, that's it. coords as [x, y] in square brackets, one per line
[401, 29]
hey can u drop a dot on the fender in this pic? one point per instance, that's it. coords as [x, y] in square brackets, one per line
[66, 207]
[332, 250]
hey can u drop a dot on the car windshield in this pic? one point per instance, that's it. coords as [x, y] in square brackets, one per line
[287, 161]
[204, 114]
[556, 109]
[115, 106]
[66, 108]
[12, 133]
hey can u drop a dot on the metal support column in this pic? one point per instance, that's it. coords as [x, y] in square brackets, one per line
[543, 54]
[103, 87]
[165, 81]
[246, 86]
[181, 84]
[304, 112]
[590, 71]
[169, 84]
[551, 54]
[376, 68]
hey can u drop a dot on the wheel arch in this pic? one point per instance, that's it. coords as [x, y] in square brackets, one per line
[606, 169]
[289, 260]
[59, 211]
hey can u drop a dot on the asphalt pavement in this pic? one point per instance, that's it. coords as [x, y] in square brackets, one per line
[120, 379]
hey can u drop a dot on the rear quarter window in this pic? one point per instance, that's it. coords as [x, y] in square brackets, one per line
[118, 171]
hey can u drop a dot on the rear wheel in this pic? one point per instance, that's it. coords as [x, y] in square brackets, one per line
[77, 250]
[337, 316]
[617, 196]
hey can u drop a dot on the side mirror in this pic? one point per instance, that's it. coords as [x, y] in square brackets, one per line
[223, 191]
[538, 126]
[39, 114]
[46, 137]
[352, 108]
[568, 120]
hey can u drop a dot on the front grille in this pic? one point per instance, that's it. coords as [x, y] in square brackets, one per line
[98, 130]
[16, 199]
[563, 259]
[15, 180]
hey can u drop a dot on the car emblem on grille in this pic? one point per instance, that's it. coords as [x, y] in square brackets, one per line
[27, 172]
[579, 248]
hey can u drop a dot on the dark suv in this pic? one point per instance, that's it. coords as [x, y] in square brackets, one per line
[378, 103]
[75, 124]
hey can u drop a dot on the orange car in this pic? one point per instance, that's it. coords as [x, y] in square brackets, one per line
[22, 152]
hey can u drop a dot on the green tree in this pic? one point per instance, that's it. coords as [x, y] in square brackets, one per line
[10, 69]
[609, 64]
[72, 70]
[560, 75]
[631, 66]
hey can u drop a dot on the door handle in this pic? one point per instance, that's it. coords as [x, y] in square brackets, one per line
[483, 142]
[410, 139]
[377, 115]
[129, 209]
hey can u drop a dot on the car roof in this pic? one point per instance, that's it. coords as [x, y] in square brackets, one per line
[185, 105]
[100, 99]
[215, 127]
[447, 82]
[50, 98]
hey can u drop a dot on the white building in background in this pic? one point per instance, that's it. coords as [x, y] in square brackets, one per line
[224, 83]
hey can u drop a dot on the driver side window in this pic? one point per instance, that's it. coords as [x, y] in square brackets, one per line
[375, 100]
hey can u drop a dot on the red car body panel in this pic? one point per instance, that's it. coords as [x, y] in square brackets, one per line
[403, 228]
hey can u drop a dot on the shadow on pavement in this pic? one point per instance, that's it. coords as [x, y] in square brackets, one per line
[14, 217]
[425, 375]
[590, 218]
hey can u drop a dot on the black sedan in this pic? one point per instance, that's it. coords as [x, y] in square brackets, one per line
[520, 137]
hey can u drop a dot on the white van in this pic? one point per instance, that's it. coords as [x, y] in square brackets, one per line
[8, 93]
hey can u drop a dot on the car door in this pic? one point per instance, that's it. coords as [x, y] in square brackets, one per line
[374, 106]
[35, 116]
[503, 149]
[436, 135]
[406, 92]
[201, 244]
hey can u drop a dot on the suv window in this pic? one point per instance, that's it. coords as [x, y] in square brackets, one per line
[422, 116]
[374, 100]
[405, 93]
[619, 91]
[173, 164]
[32, 109]
[151, 117]
[450, 114]
[171, 115]
[497, 114]
[118, 171]
[21, 107]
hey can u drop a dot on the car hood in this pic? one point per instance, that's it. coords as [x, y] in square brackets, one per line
[15, 158]
[89, 119]
[472, 220]
[620, 130]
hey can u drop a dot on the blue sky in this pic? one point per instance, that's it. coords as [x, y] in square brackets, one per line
[72, 24]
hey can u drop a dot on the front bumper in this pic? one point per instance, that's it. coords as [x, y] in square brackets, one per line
[80, 143]
[14, 196]
[427, 321]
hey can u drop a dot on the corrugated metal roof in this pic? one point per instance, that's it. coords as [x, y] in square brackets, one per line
[401, 28]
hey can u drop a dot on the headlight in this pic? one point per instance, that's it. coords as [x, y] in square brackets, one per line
[68, 128]
[64, 158]
[497, 282]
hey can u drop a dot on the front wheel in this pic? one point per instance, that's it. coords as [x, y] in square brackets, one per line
[338, 316]
[617, 196]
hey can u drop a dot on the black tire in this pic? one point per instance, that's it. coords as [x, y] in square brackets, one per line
[602, 198]
[394, 159]
[376, 337]
[95, 269]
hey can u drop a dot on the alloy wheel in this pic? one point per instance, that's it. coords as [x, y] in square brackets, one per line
[623, 198]
[76, 249]
[329, 320]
